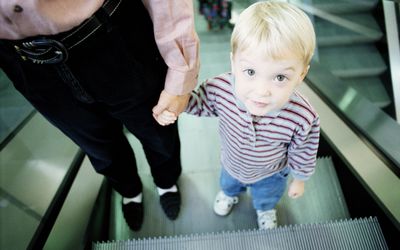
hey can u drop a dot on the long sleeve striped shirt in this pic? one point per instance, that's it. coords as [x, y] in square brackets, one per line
[253, 148]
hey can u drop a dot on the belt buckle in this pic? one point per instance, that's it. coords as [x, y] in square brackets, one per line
[42, 51]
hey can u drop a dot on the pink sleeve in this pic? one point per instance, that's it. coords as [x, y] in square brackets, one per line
[177, 41]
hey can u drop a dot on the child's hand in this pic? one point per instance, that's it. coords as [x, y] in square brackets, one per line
[296, 189]
[165, 118]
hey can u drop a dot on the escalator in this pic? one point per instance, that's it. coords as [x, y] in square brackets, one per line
[346, 234]
[348, 37]
[323, 202]
[351, 202]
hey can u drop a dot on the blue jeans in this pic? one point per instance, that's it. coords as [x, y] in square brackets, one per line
[265, 193]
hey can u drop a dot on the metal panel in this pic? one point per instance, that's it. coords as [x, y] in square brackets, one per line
[69, 230]
[392, 33]
[377, 178]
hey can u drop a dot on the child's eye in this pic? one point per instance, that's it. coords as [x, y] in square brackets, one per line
[250, 72]
[280, 78]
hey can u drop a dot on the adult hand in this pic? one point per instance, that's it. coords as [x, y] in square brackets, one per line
[165, 118]
[172, 103]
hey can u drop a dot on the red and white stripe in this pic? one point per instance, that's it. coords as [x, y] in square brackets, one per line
[252, 150]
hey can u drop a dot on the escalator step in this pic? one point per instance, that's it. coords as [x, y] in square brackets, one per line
[323, 199]
[371, 88]
[330, 34]
[352, 61]
[363, 234]
[344, 6]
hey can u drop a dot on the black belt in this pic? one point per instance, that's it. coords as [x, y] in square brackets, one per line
[54, 49]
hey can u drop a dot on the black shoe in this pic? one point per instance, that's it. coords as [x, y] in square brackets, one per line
[133, 213]
[171, 203]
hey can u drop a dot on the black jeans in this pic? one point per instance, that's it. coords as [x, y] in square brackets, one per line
[111, 80]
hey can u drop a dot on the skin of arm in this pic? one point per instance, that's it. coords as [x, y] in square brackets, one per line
[169, 107]
[178, 44]
[202, 102]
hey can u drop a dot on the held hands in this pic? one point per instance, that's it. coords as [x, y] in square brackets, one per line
[165, 118]
[169, 107]
[296, 189]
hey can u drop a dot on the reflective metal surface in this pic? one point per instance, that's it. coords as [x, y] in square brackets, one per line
[14, 109]
[32, 167]
[392, 16]
[35, 161]
[367, 118]
[382, 184]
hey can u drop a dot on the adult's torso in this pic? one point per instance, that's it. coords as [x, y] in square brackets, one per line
[125, 53]
[24, 18]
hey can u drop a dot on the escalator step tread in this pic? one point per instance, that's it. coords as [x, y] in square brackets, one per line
[371, 88]
[355, 234]
[344, 6]
[329, 34]
[322, 186]
[352, 61]
[199, 183]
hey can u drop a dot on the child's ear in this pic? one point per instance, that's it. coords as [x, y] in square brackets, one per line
[304, 73]
[232, 67]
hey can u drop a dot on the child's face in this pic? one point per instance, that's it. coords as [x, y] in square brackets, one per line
[263, 84]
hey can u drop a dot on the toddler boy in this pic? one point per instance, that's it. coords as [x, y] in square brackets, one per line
[267, 128]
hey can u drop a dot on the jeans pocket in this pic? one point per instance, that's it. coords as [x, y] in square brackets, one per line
[284, 173]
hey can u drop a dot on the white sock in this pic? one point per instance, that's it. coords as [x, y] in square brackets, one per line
[163, 191]
[137, 199]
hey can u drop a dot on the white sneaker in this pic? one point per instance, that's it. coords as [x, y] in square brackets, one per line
[266, 219]
[223, 204]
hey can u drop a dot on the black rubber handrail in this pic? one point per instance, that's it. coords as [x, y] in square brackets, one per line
[14, 132]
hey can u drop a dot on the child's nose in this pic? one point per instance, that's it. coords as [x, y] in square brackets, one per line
[263, 89]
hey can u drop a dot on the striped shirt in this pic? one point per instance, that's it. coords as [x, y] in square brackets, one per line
[253, 148]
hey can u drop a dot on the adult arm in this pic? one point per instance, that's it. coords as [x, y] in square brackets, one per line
[178, 44]
[201, 103]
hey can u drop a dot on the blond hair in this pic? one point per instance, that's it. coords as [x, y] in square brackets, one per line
[277, 28]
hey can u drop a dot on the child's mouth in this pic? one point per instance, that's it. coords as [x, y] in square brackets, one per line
[260, 104]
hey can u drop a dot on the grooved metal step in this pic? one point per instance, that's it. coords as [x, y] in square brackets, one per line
[322, 201]
[329, 34]
[362, 234]
[372, 88]
[352, 61]
[343, 6]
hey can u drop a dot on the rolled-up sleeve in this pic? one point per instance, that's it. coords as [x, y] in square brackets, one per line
[177, 41]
